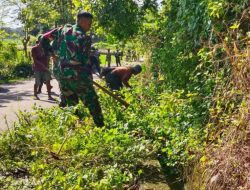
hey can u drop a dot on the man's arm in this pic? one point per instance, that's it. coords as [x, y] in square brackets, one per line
[47, 38]
[125, 79]
[85, 49]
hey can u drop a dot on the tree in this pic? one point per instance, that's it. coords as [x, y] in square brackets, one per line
[38, 15]
[120, 18]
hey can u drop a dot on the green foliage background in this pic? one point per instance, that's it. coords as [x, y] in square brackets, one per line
[186, 99]
[13, 63]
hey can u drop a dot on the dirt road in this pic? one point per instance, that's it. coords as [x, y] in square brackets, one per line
[19, 96]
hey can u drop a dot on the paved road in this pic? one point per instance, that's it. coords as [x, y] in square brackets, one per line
[19, 96]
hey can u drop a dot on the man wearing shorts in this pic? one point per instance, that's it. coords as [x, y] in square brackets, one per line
[41, 70]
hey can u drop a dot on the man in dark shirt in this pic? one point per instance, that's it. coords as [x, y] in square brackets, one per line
[118, 58]
[119, 76]
[108, 58]
[95, 61]
[41, 70]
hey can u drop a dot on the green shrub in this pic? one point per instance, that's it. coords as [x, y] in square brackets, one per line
[13, 62]
[90, 157]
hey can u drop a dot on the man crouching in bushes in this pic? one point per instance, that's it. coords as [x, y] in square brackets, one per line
[41, 70]
[119, 76]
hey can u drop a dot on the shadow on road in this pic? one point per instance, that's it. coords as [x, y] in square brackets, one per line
[13, 96]
[4, 90]
[48, 101]
[54, 94]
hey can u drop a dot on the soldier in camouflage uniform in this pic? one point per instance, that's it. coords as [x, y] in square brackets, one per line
[70, 47]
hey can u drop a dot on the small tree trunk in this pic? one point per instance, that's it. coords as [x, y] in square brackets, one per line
[26, 40]
[25, 48]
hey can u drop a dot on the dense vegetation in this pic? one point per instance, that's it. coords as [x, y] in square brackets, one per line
[13, 63]
[189, 108]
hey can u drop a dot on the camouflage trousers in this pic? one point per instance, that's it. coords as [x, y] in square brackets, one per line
[82, 89]
[57, 74]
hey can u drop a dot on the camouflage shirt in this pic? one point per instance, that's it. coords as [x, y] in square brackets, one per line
[71, 44]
